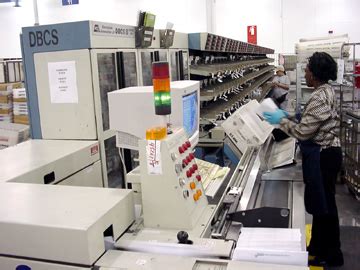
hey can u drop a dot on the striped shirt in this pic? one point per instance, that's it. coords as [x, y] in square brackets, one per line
[319, 121]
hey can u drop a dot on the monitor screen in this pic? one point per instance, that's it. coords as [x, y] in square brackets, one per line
[190, 113]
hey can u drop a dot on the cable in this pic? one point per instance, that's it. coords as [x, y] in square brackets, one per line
[123, 165]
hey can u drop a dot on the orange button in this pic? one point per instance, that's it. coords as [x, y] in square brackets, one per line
[196, 197]
[192, 185]
[199, 192]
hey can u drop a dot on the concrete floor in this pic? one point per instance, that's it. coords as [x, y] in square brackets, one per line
[348, 207]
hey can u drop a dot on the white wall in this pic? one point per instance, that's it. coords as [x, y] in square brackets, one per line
[185, 14]
[281, 23]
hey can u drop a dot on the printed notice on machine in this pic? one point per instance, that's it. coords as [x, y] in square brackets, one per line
[153, 157]
[62, 81]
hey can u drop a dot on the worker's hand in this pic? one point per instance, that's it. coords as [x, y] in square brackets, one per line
[274, 118]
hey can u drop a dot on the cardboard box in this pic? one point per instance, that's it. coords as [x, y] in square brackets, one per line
[12, 134]
[6, 96]
[21, 119]
[10, 86]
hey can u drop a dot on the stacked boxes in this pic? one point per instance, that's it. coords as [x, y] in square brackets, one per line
[12, 134]
[6, 101]
[20, 106]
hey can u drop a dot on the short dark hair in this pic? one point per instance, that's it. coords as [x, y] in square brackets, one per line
[323, 67]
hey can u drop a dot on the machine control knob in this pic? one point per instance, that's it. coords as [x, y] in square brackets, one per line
[195, 167]
[185, 162]
[183, 238]
[186, 194]
[188, 159]
[188, 144]
[196, 197]
[188, 174]
[198, 177]
[182, 182]
[185, 146]
[192, 170]
[178, 168]
[199, 192]
[181, 150]
[192, 185]
[173, 156]
[192, 156]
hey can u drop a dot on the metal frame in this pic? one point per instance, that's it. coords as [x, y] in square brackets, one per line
[350, 129]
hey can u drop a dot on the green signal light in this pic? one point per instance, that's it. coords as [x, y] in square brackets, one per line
[162, 103]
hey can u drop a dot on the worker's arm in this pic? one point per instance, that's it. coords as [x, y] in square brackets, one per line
[316, 113]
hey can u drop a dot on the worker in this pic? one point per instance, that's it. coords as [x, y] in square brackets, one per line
[318, 134]
[280, 87]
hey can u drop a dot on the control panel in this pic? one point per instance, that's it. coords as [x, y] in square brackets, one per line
[172, 191]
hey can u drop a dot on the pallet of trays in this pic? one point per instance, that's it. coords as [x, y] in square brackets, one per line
[12, 134]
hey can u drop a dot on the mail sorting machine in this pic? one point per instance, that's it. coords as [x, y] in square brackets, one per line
[178, 223]
[66, 227]
[242, 196]
[70, 68]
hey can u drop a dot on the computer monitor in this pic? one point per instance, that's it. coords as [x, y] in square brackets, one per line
[190, 113]
[132, 112]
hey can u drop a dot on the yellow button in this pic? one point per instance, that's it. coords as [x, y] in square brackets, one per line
[192, 185]
[196, 197]
[199, 192]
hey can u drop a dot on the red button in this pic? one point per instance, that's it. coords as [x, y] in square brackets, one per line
[185, 146]
[181, 150]
[192, 170]
[188, 159]
[195, 167]
[192, 156]
[188, 174]
[198, 177]
[188, 144]
[185, 162]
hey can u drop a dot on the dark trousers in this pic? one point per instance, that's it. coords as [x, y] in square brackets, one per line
[325, 237]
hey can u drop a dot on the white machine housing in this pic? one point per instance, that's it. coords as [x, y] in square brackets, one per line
[169, 197]
[61, 162]
[60, 224]
[132, 112]
[245, 128]
[115, 259]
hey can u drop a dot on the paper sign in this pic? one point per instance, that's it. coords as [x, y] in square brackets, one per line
[153, 157]
[340, 71]
[62, 81]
